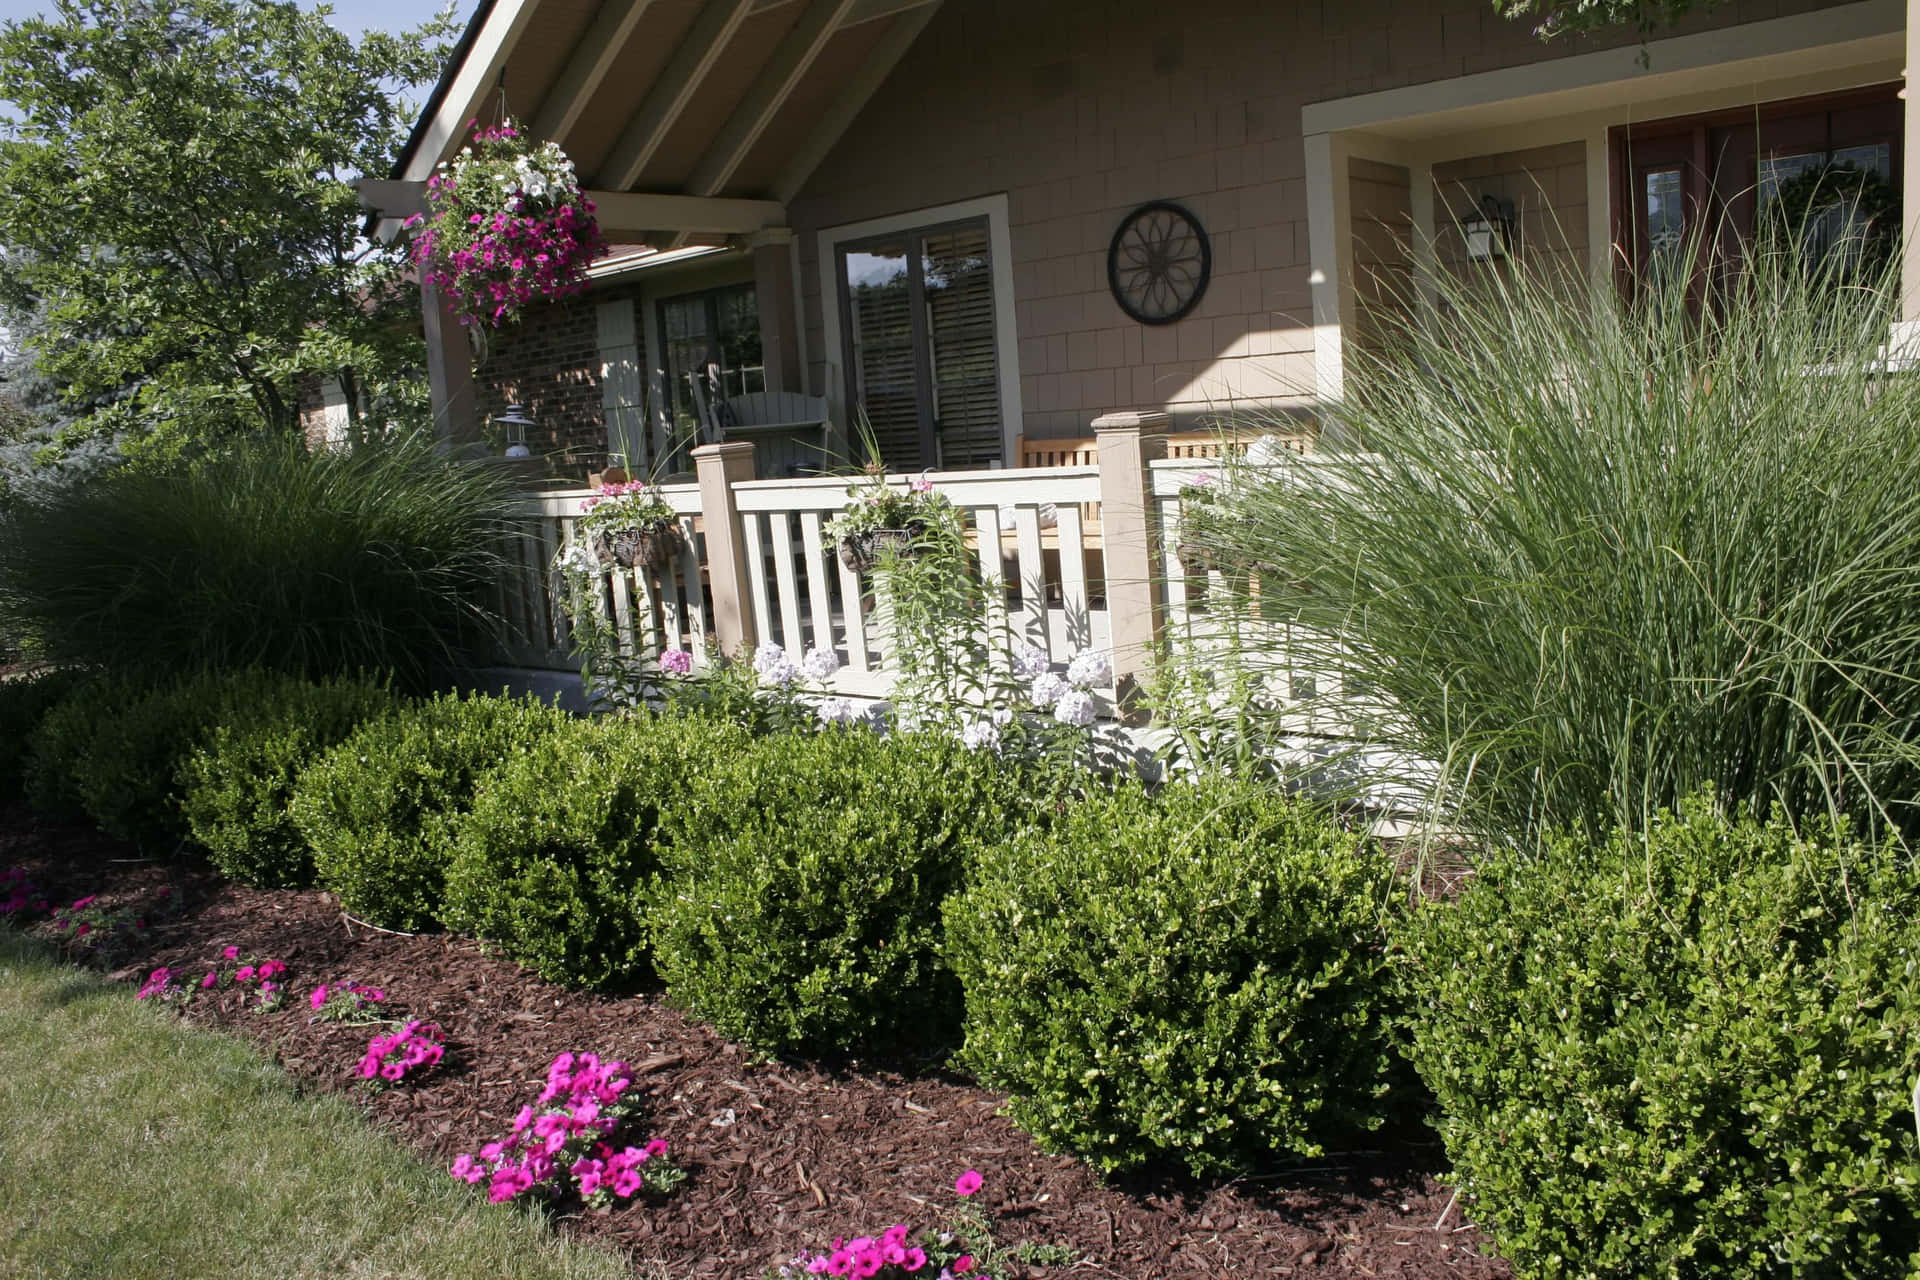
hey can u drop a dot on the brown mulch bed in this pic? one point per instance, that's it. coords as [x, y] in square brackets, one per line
[783, 1155]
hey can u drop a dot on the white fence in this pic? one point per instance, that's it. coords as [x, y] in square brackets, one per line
[1037, 533]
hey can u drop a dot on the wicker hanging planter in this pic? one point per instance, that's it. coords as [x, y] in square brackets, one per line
[647, 546]
[861, 551]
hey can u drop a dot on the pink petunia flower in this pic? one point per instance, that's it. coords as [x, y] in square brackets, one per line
[968, 1183]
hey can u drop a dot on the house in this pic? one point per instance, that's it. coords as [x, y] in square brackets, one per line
[930, 212]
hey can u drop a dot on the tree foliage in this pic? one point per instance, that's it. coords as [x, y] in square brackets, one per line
[1562, 17]
[175, 213]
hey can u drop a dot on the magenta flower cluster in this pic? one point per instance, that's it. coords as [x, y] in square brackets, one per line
[869, 1255]
[572, 1138]
[892, 1253]
[507, 226]
[163, 984]
[346, 1001]
[18, 895]
[89, 924]
[265, 977]
[412, 1046]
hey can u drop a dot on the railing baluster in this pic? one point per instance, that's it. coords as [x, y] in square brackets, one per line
[689, 563]
[854, 617]
[818, 596]
[757, 574]
[792, 637]
[1073, 578]
[1033, 578]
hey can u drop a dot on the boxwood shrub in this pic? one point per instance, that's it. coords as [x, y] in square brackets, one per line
[122, 747]
[1688, 1055]
[57, 750]
[236, 788]
[1197, 975]
[378, 809]
[556, 858]
[24, 703]
[804, 879]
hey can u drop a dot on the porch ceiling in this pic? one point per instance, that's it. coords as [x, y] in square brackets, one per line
[704, 100]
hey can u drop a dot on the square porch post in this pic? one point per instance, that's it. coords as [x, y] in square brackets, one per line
[1125, 444]
[449, 372]
[720, 467]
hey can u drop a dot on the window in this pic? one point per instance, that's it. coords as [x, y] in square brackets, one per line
[716, 332]
[922, 331]
[1722, 171]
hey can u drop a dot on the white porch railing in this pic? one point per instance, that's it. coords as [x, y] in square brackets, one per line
[1074, 570]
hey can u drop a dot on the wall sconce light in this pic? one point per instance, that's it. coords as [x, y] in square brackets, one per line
[1489, 230]
[516, 421]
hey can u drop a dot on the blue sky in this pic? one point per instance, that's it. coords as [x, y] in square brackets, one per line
[349, 15]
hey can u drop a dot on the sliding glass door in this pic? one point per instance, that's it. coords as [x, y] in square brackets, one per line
[923, 375]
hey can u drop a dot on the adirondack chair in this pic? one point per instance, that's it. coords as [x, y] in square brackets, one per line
[788, 430]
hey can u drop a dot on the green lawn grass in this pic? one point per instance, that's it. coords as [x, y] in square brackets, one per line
[133, 1145]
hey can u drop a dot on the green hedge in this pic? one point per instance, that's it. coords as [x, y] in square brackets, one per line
[24, 703]
[57, 750]
[378, 809]
[115, 751]
[556, 860]
[236, 789]
[1691, 1056]
[804, 878]
[1196, 975]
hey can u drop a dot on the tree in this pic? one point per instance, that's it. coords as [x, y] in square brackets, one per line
[175, 212]
[1561, 17]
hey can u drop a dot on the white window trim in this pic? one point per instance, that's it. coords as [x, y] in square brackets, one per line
[1006, 334]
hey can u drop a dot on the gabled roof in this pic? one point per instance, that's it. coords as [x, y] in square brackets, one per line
[734, 102]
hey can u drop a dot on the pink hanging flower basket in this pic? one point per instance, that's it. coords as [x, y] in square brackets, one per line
[506, 225]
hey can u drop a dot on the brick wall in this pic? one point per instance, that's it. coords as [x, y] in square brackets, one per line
[1081, 109]
[550, 363]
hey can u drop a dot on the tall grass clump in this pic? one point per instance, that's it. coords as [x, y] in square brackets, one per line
[1587, 554]
[272, 556]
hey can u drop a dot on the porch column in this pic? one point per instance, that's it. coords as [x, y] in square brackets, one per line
[773, 288]
[1910, 195]
[1330, 248]
[1125, 444]
[720, 467]
[449, 372]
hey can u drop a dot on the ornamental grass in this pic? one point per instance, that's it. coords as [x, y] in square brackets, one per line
[1589, 553]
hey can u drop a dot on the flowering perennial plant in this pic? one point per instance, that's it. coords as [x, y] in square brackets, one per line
[410, 1047]
[506, 225]
[264, 980]
[874, 506]
[632, 504]
[963, 1249]
[19, 898]
[349, 1002]
[572, 1139]
[89, 926]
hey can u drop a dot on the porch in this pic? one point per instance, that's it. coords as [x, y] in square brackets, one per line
[756, 567]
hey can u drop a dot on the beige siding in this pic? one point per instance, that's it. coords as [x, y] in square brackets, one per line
[1380, 201]
[1548, 188]
[1081, 109]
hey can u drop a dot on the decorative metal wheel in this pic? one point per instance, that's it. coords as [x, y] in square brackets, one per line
[1159, 263]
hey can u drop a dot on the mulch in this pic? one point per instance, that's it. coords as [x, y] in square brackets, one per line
[783, 1155]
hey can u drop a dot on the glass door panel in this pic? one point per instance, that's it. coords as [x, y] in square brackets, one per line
[960, 330]
[922, 366]
[880, 308]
